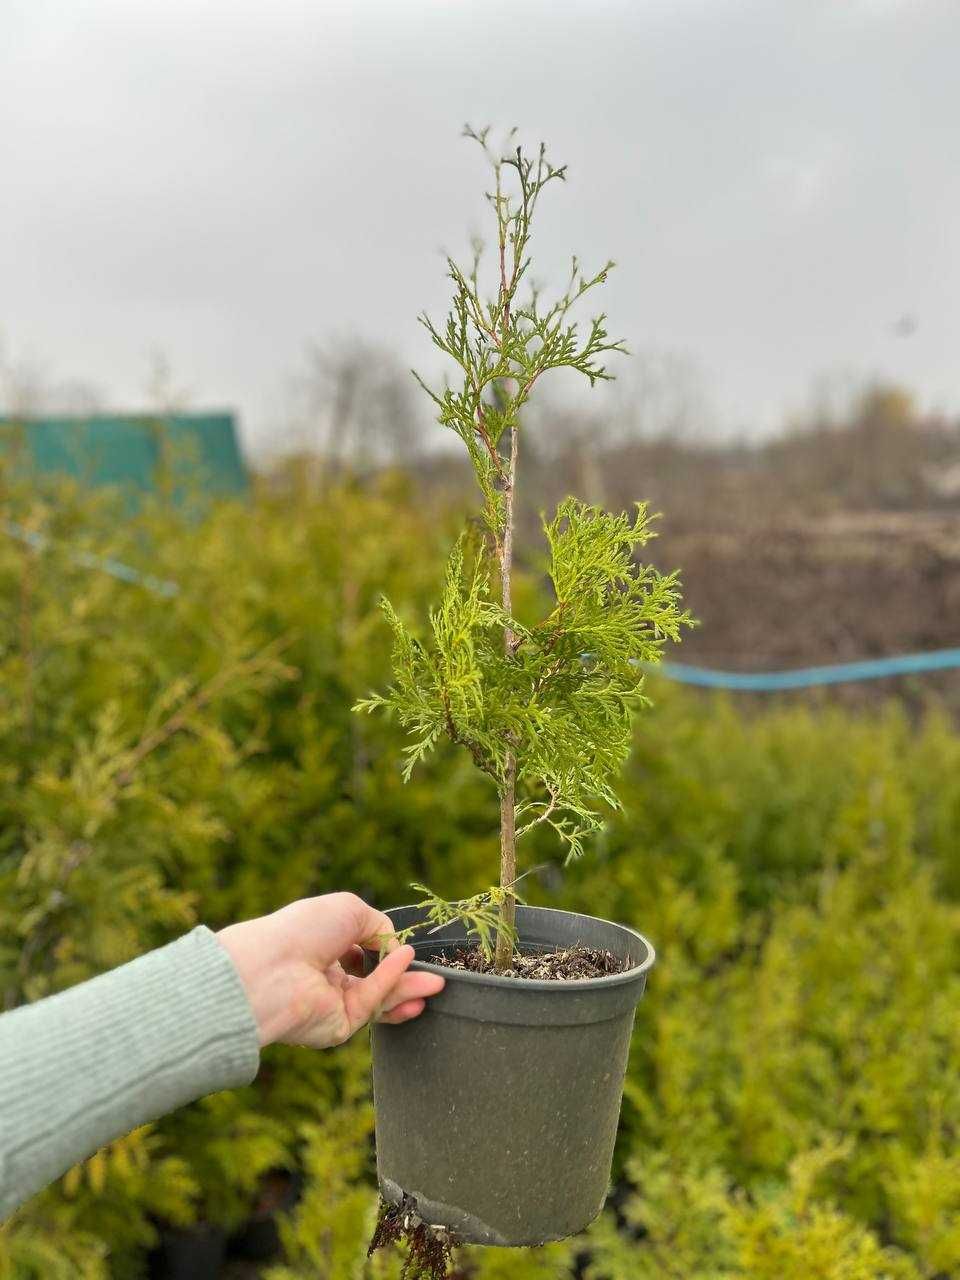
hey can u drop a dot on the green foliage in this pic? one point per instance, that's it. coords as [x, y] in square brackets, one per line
[164, 761]
[441, 688]
[693, 1226]
[480, 915]
[562, 698]
[326, 1236]
[501, 346]
[793, 1092]
[40, 1250]
[544, 709]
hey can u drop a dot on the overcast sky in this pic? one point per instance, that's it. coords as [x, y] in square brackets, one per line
[225, 180]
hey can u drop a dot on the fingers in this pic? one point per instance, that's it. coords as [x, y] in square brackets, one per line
[409, 996]
[389, 984]
[364, 998]
[370, 925]
[412, 986]
[352, 962]
[323, 929]
[352, 922]
[403, 1012]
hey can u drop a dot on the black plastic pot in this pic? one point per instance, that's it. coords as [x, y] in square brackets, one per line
[189, 1253]
[497, 1108]
[258, 1239]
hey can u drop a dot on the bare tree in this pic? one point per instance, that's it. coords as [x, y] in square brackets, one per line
[355, 405]
[662, 402]
[29, 390]
[164, 396]
[665, 397]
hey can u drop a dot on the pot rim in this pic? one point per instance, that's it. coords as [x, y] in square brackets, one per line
[538, 985]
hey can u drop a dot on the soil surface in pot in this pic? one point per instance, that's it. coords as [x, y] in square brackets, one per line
[566, 965]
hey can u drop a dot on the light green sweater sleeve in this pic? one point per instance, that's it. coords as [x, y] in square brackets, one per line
[84, 1067]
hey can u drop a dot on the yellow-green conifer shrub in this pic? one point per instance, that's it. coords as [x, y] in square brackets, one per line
[796, 863]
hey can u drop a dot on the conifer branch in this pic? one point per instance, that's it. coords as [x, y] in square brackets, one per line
[265, 659]
[536, 716]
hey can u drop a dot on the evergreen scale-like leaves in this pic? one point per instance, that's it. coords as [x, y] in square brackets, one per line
[563, 696]
[545, 710]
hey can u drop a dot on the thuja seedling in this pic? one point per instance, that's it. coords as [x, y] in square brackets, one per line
[544, 708]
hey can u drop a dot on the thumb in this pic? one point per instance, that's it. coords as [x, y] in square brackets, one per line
[363, 999]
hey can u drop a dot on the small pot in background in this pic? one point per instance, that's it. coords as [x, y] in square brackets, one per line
[258, 1240]
[188, 1253]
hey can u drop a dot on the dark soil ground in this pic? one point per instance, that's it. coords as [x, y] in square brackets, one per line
[841, 588]
[569, 965]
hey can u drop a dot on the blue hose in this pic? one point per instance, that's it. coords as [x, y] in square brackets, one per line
[702, 677]
[806, 677]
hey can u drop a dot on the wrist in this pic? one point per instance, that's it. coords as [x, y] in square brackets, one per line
[262, 980]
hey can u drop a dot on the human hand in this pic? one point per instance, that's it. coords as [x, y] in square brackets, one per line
[301, 967]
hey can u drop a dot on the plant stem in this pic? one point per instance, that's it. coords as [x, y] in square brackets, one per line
[508, 794]
[508, 865]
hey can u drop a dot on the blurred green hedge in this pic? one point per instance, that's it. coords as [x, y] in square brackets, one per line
[793, 1101]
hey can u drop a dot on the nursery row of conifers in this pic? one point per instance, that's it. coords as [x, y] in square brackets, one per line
[793, 1101]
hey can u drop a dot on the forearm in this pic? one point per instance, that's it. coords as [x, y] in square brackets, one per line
[84, 1067]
